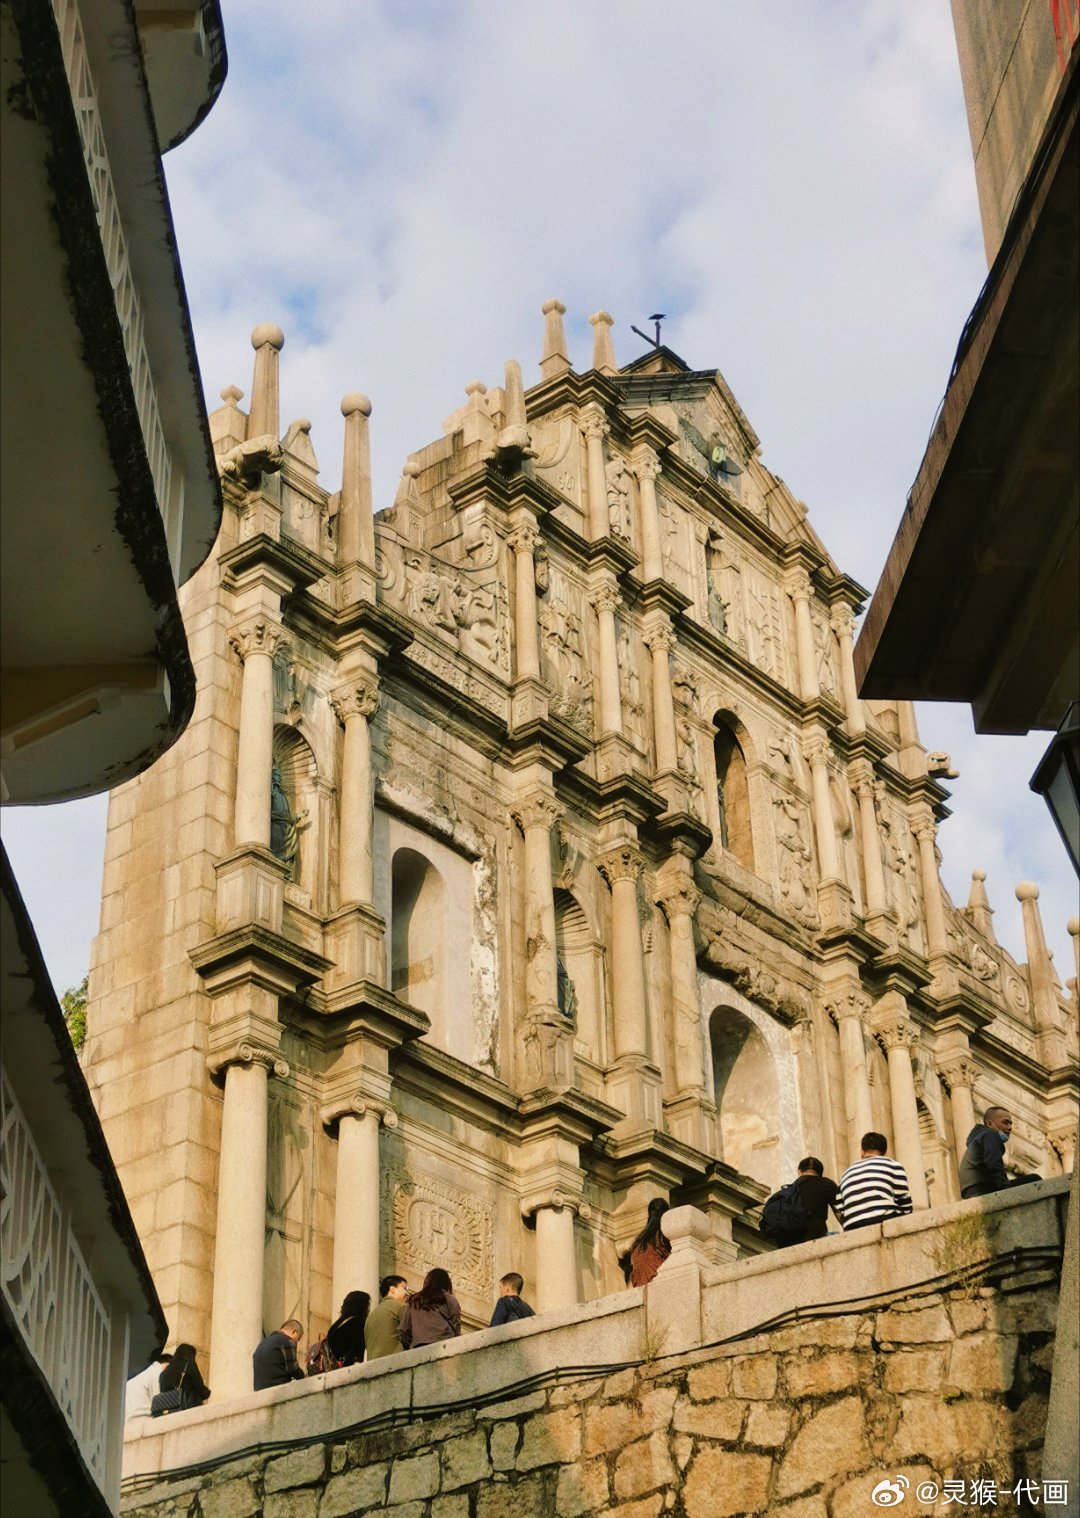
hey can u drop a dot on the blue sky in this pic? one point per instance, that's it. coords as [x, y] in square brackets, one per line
[400, 187]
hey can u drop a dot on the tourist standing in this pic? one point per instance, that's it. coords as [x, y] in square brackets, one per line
[432, 1313]
[875, 1188]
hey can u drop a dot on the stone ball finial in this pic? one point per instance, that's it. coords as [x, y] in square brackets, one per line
[1027, 890]
[303, 424]
[412, 470]
[353, 402]
[476, 387]
[1073, 926]
[978, 874]
[265, 333]
[599, 318]
[231, 395]
[553, 305]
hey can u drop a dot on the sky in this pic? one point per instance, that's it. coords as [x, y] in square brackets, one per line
[400, 187]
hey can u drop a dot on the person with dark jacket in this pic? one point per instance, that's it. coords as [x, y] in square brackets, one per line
[345, 1336]
[510, 1307]
[982, 1169]
[432, 1313]
[274, 1361]
[649, 1250]
[183, 1372]
[817, 1193]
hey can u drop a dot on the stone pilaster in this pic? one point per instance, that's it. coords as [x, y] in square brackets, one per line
[356, 522]
[842, 622]
[236, 1315]
[960, 1075]
[660, 640]
[798, 588]
[606, 600]
[880, 923]
[355, 703]
[621, 868]
[691, 1117]
[937, 938]
[255, 640]
[523, 539]
[899, 1036]
[356, 1196]
[849, 1011]
[646, 466]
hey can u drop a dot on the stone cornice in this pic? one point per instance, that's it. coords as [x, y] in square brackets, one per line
[364, 1010]
[284, 558]
[258, 955]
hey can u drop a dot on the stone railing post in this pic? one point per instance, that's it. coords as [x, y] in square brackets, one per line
[798, 588]
[236, 1324]
[606, 599]
[356, 1195]
[255, 641]
[842, 623]
[354, 705]
[523, 539]
[660, 640]
[673, 1306]
[594, 424]
[899, 1036]
[646, 466]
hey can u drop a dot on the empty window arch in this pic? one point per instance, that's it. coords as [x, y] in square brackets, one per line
[418, 939]
[732, 795]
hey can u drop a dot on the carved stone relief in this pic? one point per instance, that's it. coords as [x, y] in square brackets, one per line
[464, 604]
[619, 494]
[562, 641]
[824, 644]
[795, 874]
[558, 462]
[726, 611]
[764, 631]
[428, 1222]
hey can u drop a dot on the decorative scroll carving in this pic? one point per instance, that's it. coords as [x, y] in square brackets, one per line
[257, 635]
[360, 699]
[795, 865]
[623, 863]
[433, 1223]
[557, 456]
[50, 1291]
[248, 1054]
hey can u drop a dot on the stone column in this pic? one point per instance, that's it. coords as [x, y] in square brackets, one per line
[556, 1257]
[660, 640]
[354, 704]
[937, 938]
[842, 623]
[848, 1012]
[862, 780]
[798, 588]
[961, 1075]
[264, 418]
[236, 1323]
[606, 599]
[548, 1036]
[900, 1036]
[356, 526]
[595, 426]
[817, 756]
[256, 641]
[523, 539]
[646, 466]
[356, 1196]
[621, 869]
[679, 900]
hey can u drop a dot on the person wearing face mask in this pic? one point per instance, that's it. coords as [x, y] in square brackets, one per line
[982, 1169]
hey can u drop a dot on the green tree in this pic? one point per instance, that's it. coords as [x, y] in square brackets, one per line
[73, 1001]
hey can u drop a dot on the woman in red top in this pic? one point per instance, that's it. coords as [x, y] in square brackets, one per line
[649, 1250]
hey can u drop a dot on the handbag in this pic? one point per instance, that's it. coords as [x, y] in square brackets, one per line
[170, 1400]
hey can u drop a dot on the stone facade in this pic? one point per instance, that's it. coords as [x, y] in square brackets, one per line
[529, 854]
[942, 1376]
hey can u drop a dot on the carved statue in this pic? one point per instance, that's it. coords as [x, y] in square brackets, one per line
[618, 493]
[285, 828]
[794, 862]
[568, 1003]
[717, 608]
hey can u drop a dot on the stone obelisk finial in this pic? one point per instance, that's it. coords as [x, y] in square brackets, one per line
[356, 530]
[603, 352]
[264, 418]
[1041, 978]
[979, 910]
[512, 443]
[554, 359]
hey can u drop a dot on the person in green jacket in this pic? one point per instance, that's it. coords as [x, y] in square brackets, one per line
[380, 1330]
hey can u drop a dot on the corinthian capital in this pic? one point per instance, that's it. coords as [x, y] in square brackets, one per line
[897, 1033]
[605, 598]
[537, 810]
[797, 584]
[958, 1072]
[645, 464]
[925, 829]
[660, 637]
[257, 635]
[816, 753]
[594, 423]
[622, 863]
[244, 1053]
[360, 698]
[842, 620]
[851, 1005]
[524, 537]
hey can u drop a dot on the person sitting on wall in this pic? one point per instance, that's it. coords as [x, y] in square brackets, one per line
[649, 1250]
[510, 1307]
[431, 1314]
[818, 1193]
[345, 1336]
[141, 1388]
[874, 1188]
[799, 1211]
[982, 1169]
[274, 1361]
[184, 1374]
[381, 1328]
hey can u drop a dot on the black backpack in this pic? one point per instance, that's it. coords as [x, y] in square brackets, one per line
[784, 1219]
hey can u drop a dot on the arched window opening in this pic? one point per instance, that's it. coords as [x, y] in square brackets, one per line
[939, 1182]
[418, 934]
[733, 796]
[580, 971]
[745, 1090]
[293, 807]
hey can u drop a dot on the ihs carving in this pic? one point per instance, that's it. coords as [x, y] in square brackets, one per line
[433, 1223]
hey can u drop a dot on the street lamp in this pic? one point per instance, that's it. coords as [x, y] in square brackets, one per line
[1057, 780]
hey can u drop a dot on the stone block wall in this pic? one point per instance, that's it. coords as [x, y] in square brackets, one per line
[585, 1416]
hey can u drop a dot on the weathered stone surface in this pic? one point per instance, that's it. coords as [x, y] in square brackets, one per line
[684, 1448]
[927, 1427]
[620, 1385]
[503, 1445]
[706, 1382]
[643, 1507]
[802, 1507]
[927, 1325]
[576, 1391]
[644, 1466]
[766, 1425]
[301, 1467]
[582, 1487]
[230, 1499]
[721, 1482]
[527, 1498]
[465, 1460]
[709, 1420]
[821, 1374]
[852, 1498]
[914, 1369]
[514, 1408]
[414, 1479]
[982, 1362]
[352, 1490]
[754, 1376]
[614, 1425]
[456, 1505]
[550, 1439]
[302, 1503]
[831, 1442]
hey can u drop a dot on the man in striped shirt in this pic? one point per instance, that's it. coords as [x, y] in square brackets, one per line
[874, 1188]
